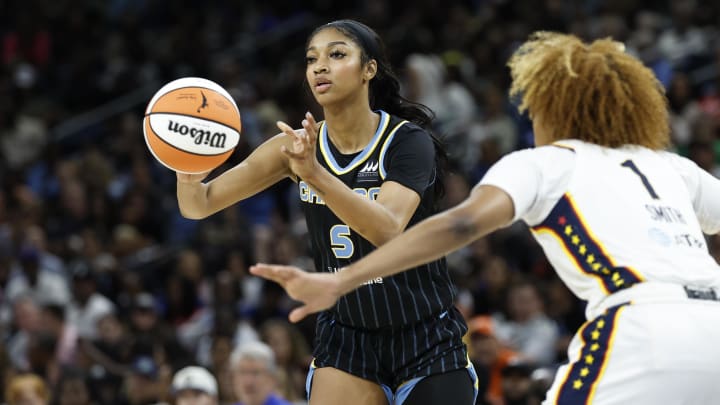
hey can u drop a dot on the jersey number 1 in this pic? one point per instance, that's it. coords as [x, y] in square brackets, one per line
[631, 165]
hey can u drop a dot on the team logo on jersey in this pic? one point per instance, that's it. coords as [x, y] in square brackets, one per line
[369, 172]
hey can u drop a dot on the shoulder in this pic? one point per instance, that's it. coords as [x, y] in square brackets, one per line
[542, 156]
[405, 135]
[401, 128]
[679, 162]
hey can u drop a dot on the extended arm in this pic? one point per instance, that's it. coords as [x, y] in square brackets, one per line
[485, 210]
[488, 208]
[264, 167]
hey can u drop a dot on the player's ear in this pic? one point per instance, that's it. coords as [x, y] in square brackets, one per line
[370, 70]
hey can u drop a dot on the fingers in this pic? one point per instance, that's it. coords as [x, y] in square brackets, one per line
[287, 130]
[276, 273]
[292, 155]
[311, 128]
[297, 314]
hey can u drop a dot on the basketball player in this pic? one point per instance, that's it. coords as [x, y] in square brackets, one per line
[620, 219]
[364, 174]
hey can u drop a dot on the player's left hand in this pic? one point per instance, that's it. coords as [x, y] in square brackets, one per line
[317, 291]
[302, 158]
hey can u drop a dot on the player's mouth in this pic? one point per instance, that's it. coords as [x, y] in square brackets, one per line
[322, 85]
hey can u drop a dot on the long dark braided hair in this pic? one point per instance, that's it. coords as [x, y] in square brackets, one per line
[384, 90]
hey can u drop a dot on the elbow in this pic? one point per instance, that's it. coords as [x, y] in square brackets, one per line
[386, 235]
[189, 214]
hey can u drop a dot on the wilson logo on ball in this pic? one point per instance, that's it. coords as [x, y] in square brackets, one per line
[192, 125]
[200, 136]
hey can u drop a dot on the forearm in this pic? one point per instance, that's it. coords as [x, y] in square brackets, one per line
[369, 219]
[263, 168]
[425, 242]
[483, 212]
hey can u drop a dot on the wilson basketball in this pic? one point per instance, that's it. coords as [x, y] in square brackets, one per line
[192, 125]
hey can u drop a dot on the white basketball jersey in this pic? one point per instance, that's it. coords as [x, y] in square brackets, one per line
[625, 217]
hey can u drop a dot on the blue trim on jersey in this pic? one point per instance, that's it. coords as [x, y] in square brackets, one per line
[585, 373]
[369, 148]
[308, 379]
[388, 393]
[566, 223]
[405, 389]
[386, 144]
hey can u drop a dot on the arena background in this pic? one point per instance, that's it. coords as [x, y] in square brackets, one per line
[127, 291]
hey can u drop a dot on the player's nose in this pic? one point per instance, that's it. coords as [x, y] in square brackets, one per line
[320, 68]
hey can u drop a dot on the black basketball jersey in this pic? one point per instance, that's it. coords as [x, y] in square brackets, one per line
[403, 152]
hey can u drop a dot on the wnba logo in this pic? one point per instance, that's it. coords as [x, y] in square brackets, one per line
[200, 136]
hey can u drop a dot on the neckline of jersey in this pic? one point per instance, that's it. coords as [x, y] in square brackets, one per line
[328, 152]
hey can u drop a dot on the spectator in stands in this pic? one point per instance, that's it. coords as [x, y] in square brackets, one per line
[194, 385]
[87, 305]
[255, 375]
[517, 384]
[527, 328]
[25, 322]
[27, 389]
[292, 355]
[489, 358]
[53, 324]
[73, 389]
[33, 275]
[144, 384]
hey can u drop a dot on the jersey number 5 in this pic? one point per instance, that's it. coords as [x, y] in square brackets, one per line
[341, 244]
[631, 165]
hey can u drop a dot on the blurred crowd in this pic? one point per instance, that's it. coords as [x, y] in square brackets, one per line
[106, 291]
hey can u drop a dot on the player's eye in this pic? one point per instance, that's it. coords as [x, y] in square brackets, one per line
[337, 54]
[310, 59]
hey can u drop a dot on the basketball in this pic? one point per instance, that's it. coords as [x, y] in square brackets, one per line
[192, 125]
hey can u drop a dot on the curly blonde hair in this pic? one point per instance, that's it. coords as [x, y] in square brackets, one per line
[20, 384]
[592, 92]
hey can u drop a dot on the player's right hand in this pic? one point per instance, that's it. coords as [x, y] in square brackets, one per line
[316, 291]
[191, 178]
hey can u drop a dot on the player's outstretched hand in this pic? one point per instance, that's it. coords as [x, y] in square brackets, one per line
[317, 291]
[303, 161]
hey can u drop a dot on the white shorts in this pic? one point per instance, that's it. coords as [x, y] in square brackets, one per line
[647, 352]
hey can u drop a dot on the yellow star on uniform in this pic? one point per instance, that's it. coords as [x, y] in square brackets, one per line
[594, 347]
[620, 282]
[582, 249]
[577, 384]
[590, 258]
[568, 230]
[584, 372]
[596, 266]
[595, 334]
[589, 359]
[605, 270]
[616, 276]
[575, 239]
[601, 324]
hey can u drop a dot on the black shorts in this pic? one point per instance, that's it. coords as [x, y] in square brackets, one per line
[393, 356]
